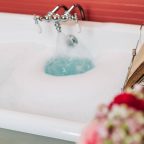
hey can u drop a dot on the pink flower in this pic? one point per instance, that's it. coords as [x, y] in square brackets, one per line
[90, 135]
[133, 125]
[119, 122]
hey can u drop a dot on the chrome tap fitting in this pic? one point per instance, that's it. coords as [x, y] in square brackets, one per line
[38, 18]
[49, 17]
[59, 7]
[68, 16]
[58, 26]
[57, 19]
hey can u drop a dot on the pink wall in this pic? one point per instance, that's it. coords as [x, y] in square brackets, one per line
[124, 11]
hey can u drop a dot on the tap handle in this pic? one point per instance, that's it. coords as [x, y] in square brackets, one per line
[70, 9]
[82, 12]
[58, 7]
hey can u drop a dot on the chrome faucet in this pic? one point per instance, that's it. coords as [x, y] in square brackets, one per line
[57, 19]
[51, 16]
[68, 16]
[48, 16]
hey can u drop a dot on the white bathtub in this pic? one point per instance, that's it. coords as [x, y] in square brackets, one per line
[58, 107]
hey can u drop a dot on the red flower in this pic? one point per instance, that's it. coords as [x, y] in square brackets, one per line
[130, 100]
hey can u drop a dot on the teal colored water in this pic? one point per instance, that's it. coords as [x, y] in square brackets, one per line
[64, 66]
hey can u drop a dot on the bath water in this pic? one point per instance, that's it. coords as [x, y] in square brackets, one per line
[64, 66]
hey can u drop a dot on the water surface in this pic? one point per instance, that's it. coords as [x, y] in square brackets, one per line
[64, 66]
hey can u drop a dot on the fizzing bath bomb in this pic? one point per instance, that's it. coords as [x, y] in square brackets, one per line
[64, 66]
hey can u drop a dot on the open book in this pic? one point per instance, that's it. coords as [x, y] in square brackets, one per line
[136, 74]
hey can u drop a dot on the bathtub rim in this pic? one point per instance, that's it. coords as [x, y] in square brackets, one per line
[40, 125]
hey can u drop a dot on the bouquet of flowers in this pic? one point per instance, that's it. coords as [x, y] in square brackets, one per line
[120, 122]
